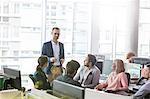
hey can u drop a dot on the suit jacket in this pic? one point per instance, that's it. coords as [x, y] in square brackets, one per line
[47, 49]
[88, 78]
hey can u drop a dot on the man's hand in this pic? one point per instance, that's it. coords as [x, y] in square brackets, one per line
[62, 61]
[53, 59]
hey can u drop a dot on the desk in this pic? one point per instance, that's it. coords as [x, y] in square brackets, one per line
[33, 94]
[131, 86]
[39, 94]
[11, 94]
[103, 95]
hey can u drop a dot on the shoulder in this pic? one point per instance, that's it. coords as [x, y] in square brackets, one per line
[60, 43]
[122, 74]
[37, 73]
[49, 42]
[147, 83]
[96, 69]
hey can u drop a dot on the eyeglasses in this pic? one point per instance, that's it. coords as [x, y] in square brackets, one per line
[56, 33]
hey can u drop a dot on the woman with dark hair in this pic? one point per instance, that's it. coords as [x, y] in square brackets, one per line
[41, 81]
[117, 80]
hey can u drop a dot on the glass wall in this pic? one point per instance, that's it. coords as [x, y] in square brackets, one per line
[106, 27]
[144, 29]
[117, 24]
[26, 24]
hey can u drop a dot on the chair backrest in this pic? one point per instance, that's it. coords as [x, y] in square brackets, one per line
[32, 78]
[128, 77]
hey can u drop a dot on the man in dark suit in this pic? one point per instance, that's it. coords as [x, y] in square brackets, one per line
[54, 50]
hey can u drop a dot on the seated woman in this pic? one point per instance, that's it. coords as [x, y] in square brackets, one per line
[41, 81]
[117, 79]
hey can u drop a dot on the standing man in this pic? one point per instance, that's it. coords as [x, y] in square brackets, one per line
[54, 50]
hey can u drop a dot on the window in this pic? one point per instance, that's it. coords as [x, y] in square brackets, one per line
[6, 8]
[16, 8]
[5, 19]
[144, 29]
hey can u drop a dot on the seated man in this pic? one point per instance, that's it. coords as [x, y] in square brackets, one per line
[89, 75]
[71, 69]
[143, 79]
[145, 89]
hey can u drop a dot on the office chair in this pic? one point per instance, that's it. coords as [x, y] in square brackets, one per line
[37, 84]
[128, 77]
[32, 78]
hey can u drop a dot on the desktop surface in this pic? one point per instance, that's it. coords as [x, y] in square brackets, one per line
[39, 94]
[11, 94]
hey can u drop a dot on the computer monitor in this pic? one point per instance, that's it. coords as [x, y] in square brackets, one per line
[13, 77]
[62, 89]
[140, 60]
[107, 67]
[133, 69]
[99, 65]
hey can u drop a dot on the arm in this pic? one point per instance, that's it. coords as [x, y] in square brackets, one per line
[77, 76]
[124, 82]
[143, 91]
[62, 55]
[101, 86]
[44, 49]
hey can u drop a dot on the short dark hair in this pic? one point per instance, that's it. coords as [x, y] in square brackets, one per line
[148, 65]
[92, 59]
[55, 28]
[72, 66]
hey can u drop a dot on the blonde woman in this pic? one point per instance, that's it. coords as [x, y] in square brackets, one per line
[117, 79]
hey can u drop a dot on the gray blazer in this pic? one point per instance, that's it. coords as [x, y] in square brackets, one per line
[88, 78]
[143, 92]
